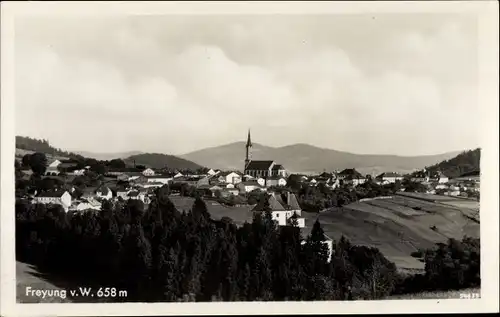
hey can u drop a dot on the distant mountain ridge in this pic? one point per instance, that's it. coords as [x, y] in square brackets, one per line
[108, 156]
[158, 160]
[27, 145]
[305, 158]
[464, 163]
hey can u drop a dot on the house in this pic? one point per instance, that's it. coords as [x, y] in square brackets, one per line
[248, 186]
[442, 179]
[148, 172]
[204, 181]
[211, 172]
[54, 164]
[178, 174]
[62, 198]
[275, 181]
[389, 177]
[281, 214]
[104, 193]
[350, 175]
[135, 194]
[419, 176]
[151, 185]
[52, 168]
[123, 193]
[87, 203]
[230, 191]
[257, 168]
[79, 172]
[164, 179]
[229, 177]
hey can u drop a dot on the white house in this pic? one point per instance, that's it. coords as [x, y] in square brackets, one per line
[135, 194]
[261, 181]
[282, 211]
[230, 177]
[249, 186]
[160, 179]
[79, 172]
[148, 172]
[151, 185]
[62, 198]
[179, 174]
[54, 164]
[275, 181]
[104, 193]
[88, 203]
[211, 172]
[389, 177]
[443, 179]
[123, 193]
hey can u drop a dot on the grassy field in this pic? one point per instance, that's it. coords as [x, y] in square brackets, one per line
[396, 226]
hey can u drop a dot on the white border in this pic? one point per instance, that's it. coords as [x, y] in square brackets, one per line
[487, 12]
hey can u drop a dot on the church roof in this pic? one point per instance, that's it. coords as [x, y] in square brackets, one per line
[278, 167]
[259, 165]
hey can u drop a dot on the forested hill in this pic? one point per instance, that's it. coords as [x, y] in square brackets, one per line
[465, 162]
[157, 160]
[43, 146]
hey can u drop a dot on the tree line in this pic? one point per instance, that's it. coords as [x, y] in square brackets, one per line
[161, 254]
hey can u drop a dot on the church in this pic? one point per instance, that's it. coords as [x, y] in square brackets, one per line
[263, 169]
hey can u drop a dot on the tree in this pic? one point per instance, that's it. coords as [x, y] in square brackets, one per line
[117, 164]
[38, 163]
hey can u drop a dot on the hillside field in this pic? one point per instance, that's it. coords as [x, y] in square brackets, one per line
[397, 226]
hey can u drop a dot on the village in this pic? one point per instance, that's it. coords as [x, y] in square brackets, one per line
[233, 188]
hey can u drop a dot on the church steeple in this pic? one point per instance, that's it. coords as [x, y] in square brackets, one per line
[249, 140]
[248, 152]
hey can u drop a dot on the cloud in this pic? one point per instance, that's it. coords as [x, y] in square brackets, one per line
[174, 86]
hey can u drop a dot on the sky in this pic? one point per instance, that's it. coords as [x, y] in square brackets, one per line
[403, 84]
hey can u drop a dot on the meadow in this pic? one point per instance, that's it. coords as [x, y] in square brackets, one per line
[397, 226]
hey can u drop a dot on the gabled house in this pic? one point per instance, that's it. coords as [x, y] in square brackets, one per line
[283, 216]
[104, 192]
[350, 175]
[148, 172]
[248, 186]
[275, 181]
[52, 168]
[229, 177]
[86, 204]
[62, 198]
[389, 177]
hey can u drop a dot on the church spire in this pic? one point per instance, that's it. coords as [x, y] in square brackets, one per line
[248, 154]
[249, 140]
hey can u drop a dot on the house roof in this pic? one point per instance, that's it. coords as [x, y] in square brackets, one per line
[273, 204]
[251, 183]
[229, 172]
[278, 167]
[259, 165]
[388, 174]
[133, 193]
[350, 172]
[103, 190]
[52, 193]
[275, 177]
[289, 201]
